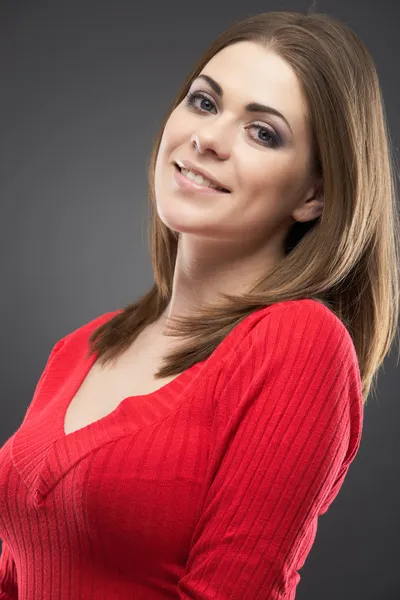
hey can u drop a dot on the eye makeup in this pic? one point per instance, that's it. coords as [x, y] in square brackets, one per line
[195, 100]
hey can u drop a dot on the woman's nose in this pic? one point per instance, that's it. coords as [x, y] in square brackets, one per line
[210, 140]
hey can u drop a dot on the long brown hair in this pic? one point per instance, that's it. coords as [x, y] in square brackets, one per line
[348, 258]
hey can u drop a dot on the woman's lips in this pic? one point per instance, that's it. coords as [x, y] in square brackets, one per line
[191, 186]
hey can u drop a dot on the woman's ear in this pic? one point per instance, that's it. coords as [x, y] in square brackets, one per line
[312, 206]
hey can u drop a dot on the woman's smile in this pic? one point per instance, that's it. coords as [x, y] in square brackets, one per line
[189, 182]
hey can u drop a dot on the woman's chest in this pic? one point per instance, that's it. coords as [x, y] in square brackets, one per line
[139, 491]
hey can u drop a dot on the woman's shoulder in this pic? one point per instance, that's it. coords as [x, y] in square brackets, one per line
[83, 331]
[289, 319]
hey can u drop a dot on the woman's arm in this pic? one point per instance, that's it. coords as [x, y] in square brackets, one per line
[8, 575]
[287, 426]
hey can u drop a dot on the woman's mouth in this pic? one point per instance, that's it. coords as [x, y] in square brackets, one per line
[197, 181]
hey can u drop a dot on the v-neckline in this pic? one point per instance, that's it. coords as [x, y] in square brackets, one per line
[76, 380]
[43, 453]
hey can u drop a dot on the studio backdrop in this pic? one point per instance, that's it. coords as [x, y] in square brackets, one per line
[85, 86]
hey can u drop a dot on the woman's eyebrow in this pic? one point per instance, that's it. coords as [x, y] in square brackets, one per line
[252, 107]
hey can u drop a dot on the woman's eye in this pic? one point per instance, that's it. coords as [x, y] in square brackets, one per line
[268, 137]
[204, 101]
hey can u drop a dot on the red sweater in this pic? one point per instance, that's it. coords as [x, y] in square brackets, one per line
[210, 487]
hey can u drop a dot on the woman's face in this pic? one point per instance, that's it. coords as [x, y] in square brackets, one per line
[260, 157]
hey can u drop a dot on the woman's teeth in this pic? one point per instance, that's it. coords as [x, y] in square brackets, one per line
[200, 180]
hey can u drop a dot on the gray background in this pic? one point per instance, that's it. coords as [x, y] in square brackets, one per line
[84, 87]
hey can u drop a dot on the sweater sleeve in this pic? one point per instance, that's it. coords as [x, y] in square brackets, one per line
[288, 423]
[8, 575]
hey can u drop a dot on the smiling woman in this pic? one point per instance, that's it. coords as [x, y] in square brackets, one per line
[186, 445]
[223, 131]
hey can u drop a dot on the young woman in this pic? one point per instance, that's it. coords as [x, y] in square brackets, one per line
[186, 445]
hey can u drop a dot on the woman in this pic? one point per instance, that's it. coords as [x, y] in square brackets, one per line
[185, 446]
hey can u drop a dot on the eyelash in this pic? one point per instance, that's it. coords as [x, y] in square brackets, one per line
[275, 138]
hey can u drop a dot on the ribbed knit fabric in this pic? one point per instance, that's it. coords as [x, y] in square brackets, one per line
[208, 488]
